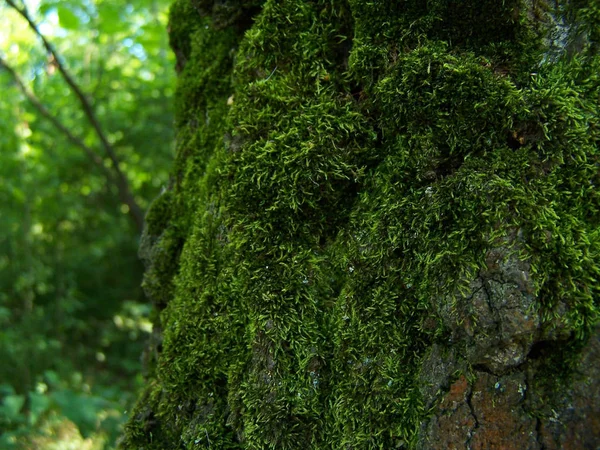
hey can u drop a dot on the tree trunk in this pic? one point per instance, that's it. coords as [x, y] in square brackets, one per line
[382, 229]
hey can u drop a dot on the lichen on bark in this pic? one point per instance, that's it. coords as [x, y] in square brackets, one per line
[382, 229]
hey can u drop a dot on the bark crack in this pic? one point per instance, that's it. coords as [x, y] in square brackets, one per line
[538, 434]
[469, 403]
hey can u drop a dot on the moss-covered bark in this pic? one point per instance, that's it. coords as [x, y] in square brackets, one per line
[382, 229]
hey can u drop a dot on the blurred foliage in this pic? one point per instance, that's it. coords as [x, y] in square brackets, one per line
[72, 316]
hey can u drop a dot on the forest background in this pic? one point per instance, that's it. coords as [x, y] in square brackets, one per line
[80, 160]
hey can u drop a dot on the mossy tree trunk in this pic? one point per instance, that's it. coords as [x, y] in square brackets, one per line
[382, 229]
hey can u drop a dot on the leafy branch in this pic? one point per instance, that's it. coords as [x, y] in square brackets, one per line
[37, 104]
[115, 176]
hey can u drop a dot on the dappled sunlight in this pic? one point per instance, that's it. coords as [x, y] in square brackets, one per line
[86, 142]
[61, 434]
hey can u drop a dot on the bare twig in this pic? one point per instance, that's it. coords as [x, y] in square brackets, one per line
[120, 179]
[37, 104]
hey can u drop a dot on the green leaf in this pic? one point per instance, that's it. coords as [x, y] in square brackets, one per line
[82, 410]
[4, 315]
[110, 19]
[68, 19]
[52, 378]
[39, 404]
[45, 8]
[11, 406]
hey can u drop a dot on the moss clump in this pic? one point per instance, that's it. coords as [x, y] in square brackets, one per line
[159, 214]
[344, 169]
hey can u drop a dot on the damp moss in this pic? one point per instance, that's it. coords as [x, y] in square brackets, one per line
[343, 168]
[159, 214]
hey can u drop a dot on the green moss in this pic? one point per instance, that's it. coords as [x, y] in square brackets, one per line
[159, 214]
[342, 168]
[183, 20]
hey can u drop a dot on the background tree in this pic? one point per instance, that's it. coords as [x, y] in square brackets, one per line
[72, 316]
[382, 231]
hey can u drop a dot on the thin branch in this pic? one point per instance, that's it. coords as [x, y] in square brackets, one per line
[87, 107]
[37, 104]
[121, 181]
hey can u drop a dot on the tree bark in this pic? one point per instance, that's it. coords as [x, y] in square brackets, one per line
[382, 229]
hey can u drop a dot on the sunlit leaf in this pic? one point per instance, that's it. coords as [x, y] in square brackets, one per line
[110, 20]
[45, 8]
[61, 227]
[67, 18]
[80, 409]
